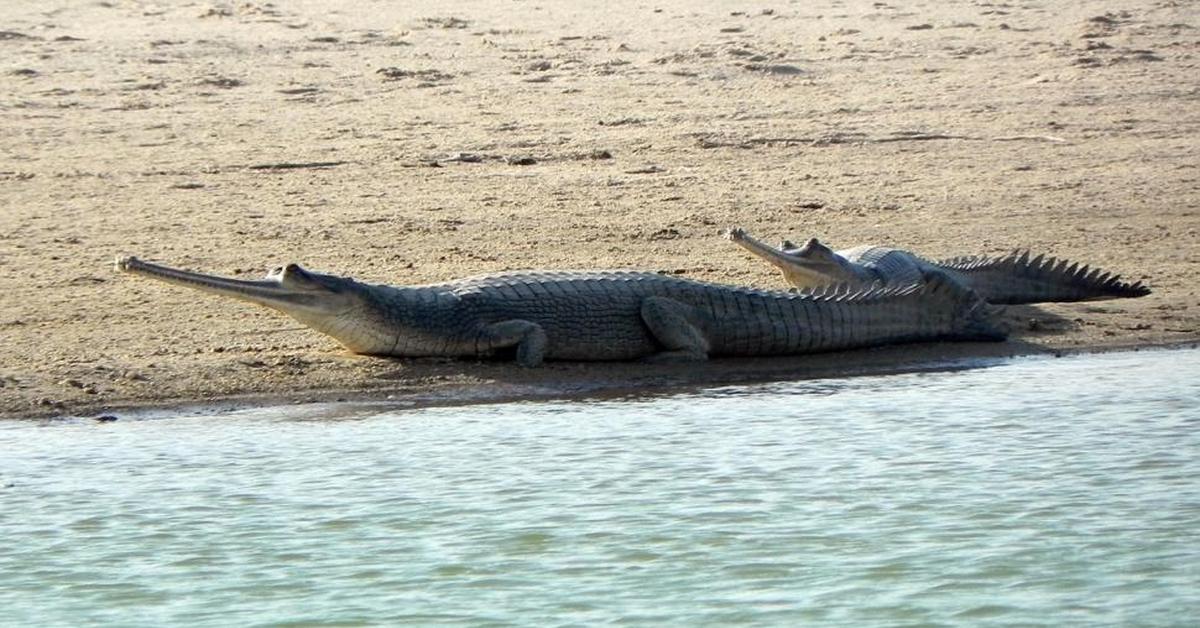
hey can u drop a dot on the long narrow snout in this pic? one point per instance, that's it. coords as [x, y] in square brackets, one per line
[352, 313]
[798, 269]
[268, 292]
[761, 249]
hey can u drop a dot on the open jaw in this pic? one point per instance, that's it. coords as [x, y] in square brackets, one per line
[268, 292]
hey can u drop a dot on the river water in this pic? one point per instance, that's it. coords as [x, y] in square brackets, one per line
[1034, 492]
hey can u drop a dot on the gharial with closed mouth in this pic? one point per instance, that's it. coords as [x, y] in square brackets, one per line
[1008, 279]
[600, 315]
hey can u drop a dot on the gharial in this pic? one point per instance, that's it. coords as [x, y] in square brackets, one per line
[599, 315]
[1007, 279]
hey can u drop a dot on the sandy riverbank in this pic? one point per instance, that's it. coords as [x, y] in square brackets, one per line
[407, 144]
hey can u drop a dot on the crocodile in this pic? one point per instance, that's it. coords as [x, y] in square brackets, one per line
[1007, 279]
[599, 315]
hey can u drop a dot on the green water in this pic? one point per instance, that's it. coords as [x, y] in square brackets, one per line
[1035, 492]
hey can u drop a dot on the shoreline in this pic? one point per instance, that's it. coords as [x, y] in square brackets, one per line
[723, 373]
[406, 146]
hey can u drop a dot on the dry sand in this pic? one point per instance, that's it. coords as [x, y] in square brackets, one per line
[411, 142]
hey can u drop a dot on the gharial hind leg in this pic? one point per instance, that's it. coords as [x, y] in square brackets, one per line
[673, 325]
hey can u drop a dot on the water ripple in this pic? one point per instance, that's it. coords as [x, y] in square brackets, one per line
[1035, 492]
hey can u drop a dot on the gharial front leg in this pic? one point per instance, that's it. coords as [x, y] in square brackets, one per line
[675, 325]
[528, 337]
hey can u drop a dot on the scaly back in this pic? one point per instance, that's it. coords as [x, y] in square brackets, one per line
[1018, 278]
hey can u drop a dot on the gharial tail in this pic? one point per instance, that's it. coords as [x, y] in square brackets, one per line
[971, 317]
[1017, 278]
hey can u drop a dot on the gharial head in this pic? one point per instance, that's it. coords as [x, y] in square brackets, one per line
[810, 266]
[338, 306]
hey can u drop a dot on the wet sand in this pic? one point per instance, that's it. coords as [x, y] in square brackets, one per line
[411, 144]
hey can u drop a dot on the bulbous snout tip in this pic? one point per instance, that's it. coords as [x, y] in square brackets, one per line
[125, 263]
